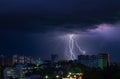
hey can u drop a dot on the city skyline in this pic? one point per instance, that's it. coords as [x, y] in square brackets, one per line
[41, 27]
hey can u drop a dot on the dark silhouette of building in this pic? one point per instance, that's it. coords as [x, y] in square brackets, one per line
[54, 57]
[103, 60]
[2, 60]
[88, 60]
[5, 61]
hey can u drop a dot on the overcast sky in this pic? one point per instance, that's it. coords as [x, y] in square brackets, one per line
[33, 27]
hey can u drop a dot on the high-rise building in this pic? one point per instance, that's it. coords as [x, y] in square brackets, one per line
[54, 57]
[2, 60]
[103, 60]
[8, 61]
[21, 59]
[28, 60]
[88, 60]
[15, 59]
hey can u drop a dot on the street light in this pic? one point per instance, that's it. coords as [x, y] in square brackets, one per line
[46, 77]
[57, 76]
[70, 73]
[74, 76]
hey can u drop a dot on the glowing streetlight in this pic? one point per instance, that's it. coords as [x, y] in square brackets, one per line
[57, 76]
[46, 77]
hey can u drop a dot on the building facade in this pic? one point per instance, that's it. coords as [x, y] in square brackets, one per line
[21, 59]
[103, 60]
[88, 60]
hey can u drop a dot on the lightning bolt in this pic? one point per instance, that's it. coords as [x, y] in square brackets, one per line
[72, 43]
[71, 47]
[77, 45]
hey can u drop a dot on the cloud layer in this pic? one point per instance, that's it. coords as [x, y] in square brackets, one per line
[52, 15]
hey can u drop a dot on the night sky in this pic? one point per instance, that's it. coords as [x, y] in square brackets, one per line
[40, 27]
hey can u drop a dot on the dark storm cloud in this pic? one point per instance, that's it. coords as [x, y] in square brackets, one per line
[51, 15]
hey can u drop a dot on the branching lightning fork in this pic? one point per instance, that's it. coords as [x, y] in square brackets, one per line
[72, 43]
